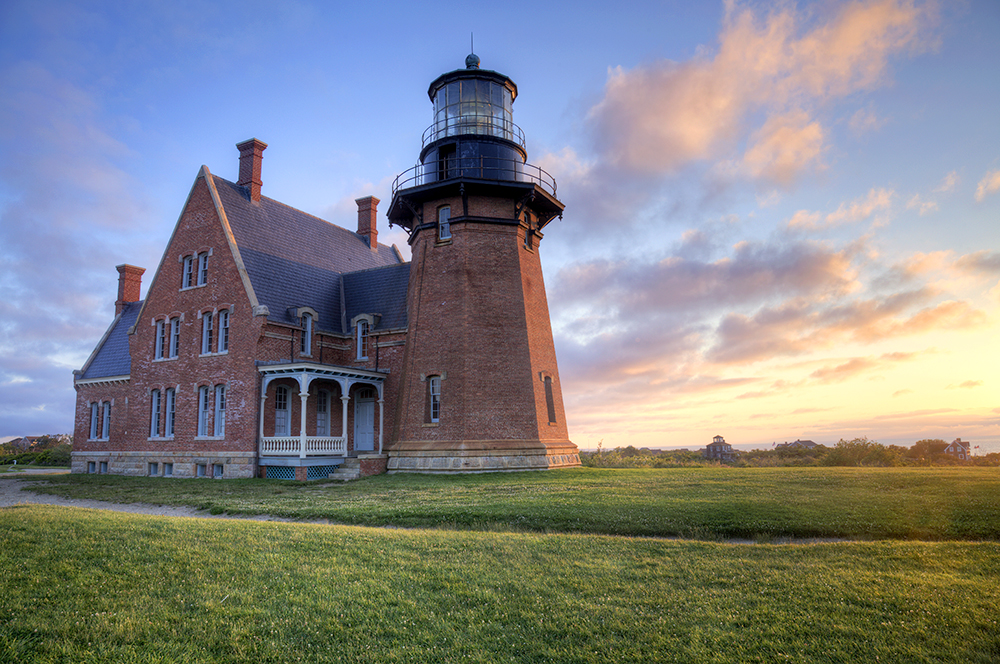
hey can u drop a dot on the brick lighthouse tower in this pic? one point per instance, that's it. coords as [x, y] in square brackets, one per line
[480, 389]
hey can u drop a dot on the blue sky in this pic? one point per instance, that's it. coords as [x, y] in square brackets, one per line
[783, 219]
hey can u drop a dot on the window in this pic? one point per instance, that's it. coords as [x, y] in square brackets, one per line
[220, 410]
[434, 383]
[154, 469]
[203, 269]
[168, 429]
[224, 331]
[206, 333]
[175, 336]
[104, 467]
[281, 411]
[106, 421]
[362, 340]
[323, 414]
[444, 223]
[217, 471]
[528, 232]
[168, 470]
[550, 402]
[160, 347]
[187, 272]
[203, 410]
[91, 467]
[307, 331]
[154, 414]
[93, 420]
[200, 471]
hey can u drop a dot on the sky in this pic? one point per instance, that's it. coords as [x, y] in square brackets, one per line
[782, 218]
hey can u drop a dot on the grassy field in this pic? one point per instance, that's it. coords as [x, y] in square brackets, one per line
[701, 503]
[89, 586]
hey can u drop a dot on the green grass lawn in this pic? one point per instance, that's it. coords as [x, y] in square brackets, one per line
[701, 503]
[90, 586]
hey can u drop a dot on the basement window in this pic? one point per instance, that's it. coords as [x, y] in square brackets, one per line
[200, 471]
[168, 470]
[154, 469]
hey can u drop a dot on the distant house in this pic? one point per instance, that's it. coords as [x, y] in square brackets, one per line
[958, 448]
[24, 443]
[720, 449]
[803, 444]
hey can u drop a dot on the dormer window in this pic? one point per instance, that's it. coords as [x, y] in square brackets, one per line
[307, 331]
[362, 334]
[444, 223]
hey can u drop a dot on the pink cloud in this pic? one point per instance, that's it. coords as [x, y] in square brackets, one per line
[990, 184]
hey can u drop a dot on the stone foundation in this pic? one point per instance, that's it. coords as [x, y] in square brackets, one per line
[185, 464]
[482, 457]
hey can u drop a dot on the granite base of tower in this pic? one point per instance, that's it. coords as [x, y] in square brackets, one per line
[481, 456]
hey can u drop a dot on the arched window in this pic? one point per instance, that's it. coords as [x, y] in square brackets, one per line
[307, 332]
[362, 339]
[106, 421]
[281, 411]
[94, 415]
[444, 223]
[154, 414]
[171, 412]
[203, 410]
[220, 410]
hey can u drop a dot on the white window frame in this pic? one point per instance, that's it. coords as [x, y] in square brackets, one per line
[281, 415]
[220, 411]
[187, 272]
[307, 332]
[160, 344]
[175, 336]
[171, 412]
[154, 413]
[203, 268]
[444, 223]
[106, 421]
[223, 331]
[94, 419]
[434, 385]
[203, 411]
[168, 469]
[206, 333]
[363, 332]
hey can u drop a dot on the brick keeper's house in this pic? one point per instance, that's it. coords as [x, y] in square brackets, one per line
[273, 343]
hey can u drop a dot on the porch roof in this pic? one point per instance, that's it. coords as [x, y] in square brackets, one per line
[274, 369]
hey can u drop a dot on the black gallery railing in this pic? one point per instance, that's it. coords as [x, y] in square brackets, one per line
[482, 168]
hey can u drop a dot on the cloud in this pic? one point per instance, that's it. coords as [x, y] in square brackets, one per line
[784, 147]
[948, 183]
[858, 365]
[990, 184]
[980, 262]
[877, 200]
[965, 385]
[663, 116]
[921, 206]
[865, 120]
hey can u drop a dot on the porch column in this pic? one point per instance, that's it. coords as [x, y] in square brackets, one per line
[303, 397]
[263, 398]
[343, 411]
[381, 408]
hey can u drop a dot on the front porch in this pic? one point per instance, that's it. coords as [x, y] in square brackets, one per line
[310, 450]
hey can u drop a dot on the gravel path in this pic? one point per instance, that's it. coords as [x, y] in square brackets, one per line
[14, 491]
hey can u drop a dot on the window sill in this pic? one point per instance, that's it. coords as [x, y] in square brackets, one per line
[442, 243]
[430, 424]
[159, 438]
[165, 359]
[209, 437]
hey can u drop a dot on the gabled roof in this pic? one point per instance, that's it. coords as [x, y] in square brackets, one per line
[111, 357]
[294, 259]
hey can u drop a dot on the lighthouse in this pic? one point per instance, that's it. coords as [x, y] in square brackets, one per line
[479, 386]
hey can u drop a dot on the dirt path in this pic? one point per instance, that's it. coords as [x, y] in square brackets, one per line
[14, 491]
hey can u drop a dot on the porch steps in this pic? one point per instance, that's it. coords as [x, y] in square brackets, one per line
[349, 470]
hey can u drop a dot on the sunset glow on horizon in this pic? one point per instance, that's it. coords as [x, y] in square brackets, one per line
[782, 219]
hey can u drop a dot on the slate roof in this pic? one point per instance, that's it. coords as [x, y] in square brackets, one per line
[294, 260]
[112, 357]
[379, 290]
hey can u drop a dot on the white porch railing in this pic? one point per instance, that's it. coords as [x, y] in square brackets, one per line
[293, 446]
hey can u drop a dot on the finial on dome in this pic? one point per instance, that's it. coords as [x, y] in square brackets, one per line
[472, 61]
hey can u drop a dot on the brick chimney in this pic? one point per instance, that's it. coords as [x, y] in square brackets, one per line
[251, 154]
[367, 213]
[129, 283]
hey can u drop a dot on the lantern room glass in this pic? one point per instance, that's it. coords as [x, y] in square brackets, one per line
[473, 106]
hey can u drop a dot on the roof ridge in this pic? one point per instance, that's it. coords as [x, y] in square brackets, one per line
[377, 267]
